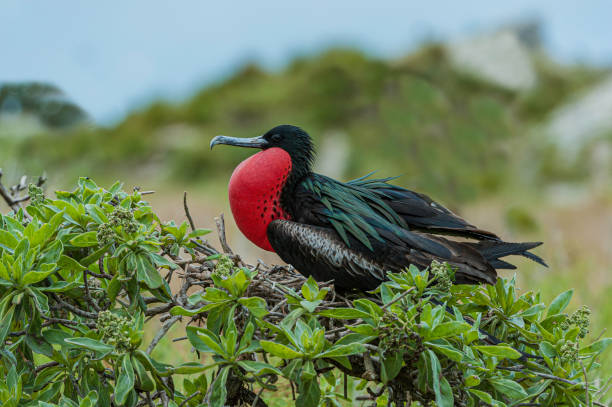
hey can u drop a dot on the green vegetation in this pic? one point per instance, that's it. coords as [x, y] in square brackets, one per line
[451, 134]
[467, 143]
[42, 100]
[84, 274]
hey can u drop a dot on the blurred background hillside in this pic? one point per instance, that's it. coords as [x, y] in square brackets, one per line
[494, 118]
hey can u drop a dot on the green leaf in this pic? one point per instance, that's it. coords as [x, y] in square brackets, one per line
[446, 393]
[343, 313]
[90, 344]
[446, 350]
[391, 366]
[509, 388]
[33, 277]
[256, 305]
[259, 368]
[471, 381]
[161, 261]
[198, 233]
[5, 324]
[559, 303]
[45, 376]
[52, 253]
[498, 351]
[40, 300]
[22, 248]
[439, 387]
[218, 391]
[309, 394]
[151, 364]
[310, 289]
[447, 329]
[343, 350]
[178, 310]
[364, 329]
[96, 213]
[60, 286]
[191, 367]
[95, 256]
[144, 379]
[147, 273]
[597, 347]
[7, 240]
[91, 400]
[86, 239]
[39, 345]
[125, 382]
[206, 338]
[279, 350]
[547, 349]
[114, 286]
[486, 397]
[55, 336]
[70, 264]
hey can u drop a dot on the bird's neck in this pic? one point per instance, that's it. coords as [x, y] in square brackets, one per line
[298, 173]
[255, 193]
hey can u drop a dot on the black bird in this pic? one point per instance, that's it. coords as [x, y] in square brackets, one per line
[351, 232]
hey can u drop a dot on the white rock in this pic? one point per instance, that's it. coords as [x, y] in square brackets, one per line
[586, 117]
[500, 58]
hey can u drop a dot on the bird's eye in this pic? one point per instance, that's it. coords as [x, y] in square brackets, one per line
[275, 137]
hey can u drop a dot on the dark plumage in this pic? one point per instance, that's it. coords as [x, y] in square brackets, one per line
[355, 232]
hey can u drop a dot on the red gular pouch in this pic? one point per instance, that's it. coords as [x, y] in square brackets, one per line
[254, 193]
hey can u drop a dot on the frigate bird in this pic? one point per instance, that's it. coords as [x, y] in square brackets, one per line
[351, 232]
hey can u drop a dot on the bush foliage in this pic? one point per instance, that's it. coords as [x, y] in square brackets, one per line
[456, 136]
[82, 276]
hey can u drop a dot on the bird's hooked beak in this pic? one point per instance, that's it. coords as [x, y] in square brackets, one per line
[254, 142]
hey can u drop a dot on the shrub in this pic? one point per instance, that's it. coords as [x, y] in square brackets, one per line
[82, 276]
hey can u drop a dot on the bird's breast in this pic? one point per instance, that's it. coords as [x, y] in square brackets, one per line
[254, 193]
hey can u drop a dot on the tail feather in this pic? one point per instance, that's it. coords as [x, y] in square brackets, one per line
[534, 257]
[500, 264]
[493, 251]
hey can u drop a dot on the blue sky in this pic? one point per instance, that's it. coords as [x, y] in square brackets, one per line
[113, 56]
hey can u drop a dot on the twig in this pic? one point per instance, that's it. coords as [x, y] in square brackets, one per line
[189, 398]
[44, 366]
[586, 383]
[158, 310]
[69, 323]
[404, 294]
[163, 331]
[25, 331]
[99, 275]
[604, 389]
[88, 297]
[189, 218]
[222, 239]
[261, 391]
[370, 372]
[7, 196]
[75, 310]
[149, 399]
[519, 369]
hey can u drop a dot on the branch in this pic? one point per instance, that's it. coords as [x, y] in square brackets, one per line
[220, 221]
[163, 331]
[14, 205]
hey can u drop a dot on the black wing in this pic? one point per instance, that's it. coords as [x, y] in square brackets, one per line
[320, 252]
[387, 226]
[419, 211]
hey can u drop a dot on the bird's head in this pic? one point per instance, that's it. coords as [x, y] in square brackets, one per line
[295, 141]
